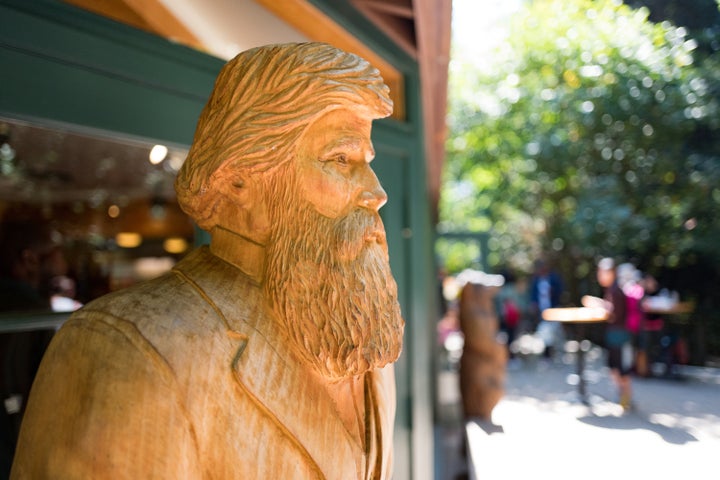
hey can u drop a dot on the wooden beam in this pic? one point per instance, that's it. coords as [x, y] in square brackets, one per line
[397, 9]
[163, 22]
[113, 9]
[400, 30]
[433, 22]
[149, 15]
[316, 25]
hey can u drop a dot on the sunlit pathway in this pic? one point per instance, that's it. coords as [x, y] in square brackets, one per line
[540, 431]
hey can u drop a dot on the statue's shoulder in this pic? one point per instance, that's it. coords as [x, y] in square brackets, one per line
[152, 308]
[165, 297]
[161, 294]
[179, 309]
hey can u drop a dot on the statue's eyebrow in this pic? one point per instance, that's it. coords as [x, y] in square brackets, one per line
[344, 143]
[349, 143]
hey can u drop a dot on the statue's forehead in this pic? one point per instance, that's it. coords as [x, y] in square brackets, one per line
[341, 125]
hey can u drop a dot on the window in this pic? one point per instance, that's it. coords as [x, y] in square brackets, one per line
[83, 213]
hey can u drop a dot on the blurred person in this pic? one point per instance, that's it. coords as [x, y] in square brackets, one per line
[511, 307]
[29, 257]
[628, 278]
[665, 345]
[653, 326]
[618, 338]
[546, 287]
[630, 281]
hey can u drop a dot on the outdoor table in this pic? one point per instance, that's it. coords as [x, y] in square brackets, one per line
[579, 316]
[667, 308]
[677, 325]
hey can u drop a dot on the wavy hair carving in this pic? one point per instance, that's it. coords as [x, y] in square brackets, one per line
[262, 102]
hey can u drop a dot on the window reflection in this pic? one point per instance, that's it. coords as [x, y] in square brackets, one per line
[105, 205]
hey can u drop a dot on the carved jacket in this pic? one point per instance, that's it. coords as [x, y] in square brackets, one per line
[188, 376]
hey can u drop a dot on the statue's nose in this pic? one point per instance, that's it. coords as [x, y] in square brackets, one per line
[373, 196]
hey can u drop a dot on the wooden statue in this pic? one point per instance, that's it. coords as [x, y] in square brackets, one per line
[268, 354]
[483, 361]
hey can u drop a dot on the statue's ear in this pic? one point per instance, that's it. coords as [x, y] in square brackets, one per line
[243, 209]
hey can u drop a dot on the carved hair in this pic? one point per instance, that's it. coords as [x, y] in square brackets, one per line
[263, 101]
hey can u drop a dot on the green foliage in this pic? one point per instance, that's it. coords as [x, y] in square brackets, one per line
[589, 132]
[459, 255]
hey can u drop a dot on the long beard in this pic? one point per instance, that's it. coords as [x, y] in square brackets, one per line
[332, 289]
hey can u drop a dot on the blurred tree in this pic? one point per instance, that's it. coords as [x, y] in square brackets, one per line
[695, 15]
[701, 278]
[591, 131]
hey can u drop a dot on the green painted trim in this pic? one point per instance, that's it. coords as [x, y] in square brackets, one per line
[65, 64]
[422, 288]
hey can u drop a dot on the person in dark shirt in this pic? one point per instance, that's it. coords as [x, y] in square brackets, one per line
[546, 287]
[618, 338]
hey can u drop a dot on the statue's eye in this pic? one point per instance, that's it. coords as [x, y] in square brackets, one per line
[339, 159]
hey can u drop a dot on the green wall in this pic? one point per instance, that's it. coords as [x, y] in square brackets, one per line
[67, 65]
[61, 64]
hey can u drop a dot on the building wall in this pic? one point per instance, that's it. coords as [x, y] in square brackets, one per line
[61, 64]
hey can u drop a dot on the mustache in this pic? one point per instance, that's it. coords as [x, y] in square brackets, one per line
[360, 229]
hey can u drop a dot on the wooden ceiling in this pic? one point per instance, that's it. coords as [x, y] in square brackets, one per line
[420, 27]
[396, 18]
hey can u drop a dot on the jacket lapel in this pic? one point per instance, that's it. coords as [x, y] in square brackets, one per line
[287, 393]
[383, 411]
[299, 405]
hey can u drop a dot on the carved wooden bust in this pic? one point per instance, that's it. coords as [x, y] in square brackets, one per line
[269, 353]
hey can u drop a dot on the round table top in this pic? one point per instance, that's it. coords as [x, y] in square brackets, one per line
[575, 314]
[668, 308]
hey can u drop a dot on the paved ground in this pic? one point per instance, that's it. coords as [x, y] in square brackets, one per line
[540, 430]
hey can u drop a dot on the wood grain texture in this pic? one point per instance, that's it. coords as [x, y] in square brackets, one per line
[483, 361]
[269, 353]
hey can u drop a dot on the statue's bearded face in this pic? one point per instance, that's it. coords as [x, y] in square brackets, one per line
[329, 277]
